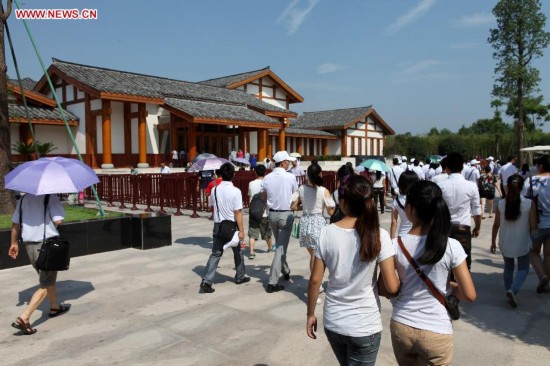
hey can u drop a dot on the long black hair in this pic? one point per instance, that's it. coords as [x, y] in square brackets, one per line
[314, 175]
[357, 193]
[406, 180]
[430, 209]
[512, 209]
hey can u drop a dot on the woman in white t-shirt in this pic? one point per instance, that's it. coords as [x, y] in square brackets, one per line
[406, 179]
[513, 240]
[351, 249]
[421, 328]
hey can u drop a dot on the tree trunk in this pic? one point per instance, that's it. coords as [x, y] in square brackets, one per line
[7, 198]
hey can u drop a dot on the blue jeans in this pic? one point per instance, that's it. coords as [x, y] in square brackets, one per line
[514, 283]
[354, 350]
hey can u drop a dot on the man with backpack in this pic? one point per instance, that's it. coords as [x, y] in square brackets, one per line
[258, 223]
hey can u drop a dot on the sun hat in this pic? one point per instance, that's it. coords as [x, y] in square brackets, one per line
[490, 158]
[282, 156]
[474, 161]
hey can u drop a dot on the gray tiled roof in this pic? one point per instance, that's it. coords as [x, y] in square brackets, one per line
[333, 118]
[18, 111]
[233, 112]
[28, 83]
[228, 80]
[121, 82]
[303, 131]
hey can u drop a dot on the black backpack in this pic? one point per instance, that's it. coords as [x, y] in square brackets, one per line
[256, 207]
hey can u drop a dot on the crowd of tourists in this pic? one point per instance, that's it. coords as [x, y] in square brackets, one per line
[422, 264]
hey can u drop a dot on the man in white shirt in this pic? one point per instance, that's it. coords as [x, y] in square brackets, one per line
[395, 173]
[472, 174]
[462, 198]
[262, 227]
[506, 172]
[417, 169]
[278, 186]
[31, 221]
[404, 163]
[491, 161]
[227, 201]
[164, 169]
[443, 172]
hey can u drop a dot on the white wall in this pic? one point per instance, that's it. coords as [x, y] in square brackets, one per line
[152, 132]
[253, 142]
[117, 128]
[79, 131]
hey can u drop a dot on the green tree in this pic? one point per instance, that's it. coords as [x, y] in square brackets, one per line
[519, 38]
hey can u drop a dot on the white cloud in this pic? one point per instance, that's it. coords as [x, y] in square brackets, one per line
[475, 20]
[328, 68]
[294, 15]
[418, 11]
[426, 70]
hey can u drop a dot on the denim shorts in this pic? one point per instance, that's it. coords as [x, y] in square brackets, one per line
[540, 234]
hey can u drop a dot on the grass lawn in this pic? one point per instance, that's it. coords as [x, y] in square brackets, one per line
[72, 213]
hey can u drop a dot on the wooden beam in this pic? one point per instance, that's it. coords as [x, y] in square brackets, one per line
[142, 135]
[192, 142]
[106, 134]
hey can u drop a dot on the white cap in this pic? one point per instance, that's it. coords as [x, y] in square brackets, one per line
[490, 158]
[404, 158]
[474, 161]
[282, 156]
[412, 160]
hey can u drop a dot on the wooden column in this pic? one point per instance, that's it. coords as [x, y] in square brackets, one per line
[262, 144]
[325, 147]
[269, 152]
[299, 148]
[142, 136]
[282, 136]
[106, 134]
[241, 143]
[192, 141]
[345, 143]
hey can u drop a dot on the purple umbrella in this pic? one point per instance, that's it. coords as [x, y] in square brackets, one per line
[207, 164]
[241, 161]
[51, 175]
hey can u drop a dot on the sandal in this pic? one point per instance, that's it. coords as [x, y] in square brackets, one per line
[252, 256]
[56, 312]
[23, 326]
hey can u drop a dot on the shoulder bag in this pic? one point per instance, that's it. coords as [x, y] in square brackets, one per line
[450, 302]
[227, 227]
[54, 254]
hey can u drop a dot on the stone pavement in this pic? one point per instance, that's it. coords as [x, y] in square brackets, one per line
[133, 307]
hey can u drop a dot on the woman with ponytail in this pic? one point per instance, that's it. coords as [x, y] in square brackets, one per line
[512, 218]
[352, 249]
[421, 328]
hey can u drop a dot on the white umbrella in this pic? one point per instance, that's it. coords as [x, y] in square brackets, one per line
[207, 164]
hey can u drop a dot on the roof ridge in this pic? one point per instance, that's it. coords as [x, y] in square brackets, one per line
[240, 73]
[339, 109]
[121, 71]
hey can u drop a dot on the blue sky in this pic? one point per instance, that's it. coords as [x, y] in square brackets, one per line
[420, 63]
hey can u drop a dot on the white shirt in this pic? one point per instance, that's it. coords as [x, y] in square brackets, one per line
[174, 155]
[506, 172]
[514, 239]
[313, 199]
[165, 170]
[404, 224]
[416, 306]
[352, 307]
[279, 186]
[379, 183]
[541, 189]
[418, 170]
[33, 216]
[255, 187]
[297, 171]
[404, 165]
[462, 197]
[395, 173]
[472, 174]
[229, 200]
[440, 177]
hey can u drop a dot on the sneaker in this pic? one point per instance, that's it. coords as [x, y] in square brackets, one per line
[206, 288]
[242, 280]
[274, 288]
[270, 251]
[252, 256]
[511, 299]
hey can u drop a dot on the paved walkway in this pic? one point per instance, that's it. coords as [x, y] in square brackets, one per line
[134, 307]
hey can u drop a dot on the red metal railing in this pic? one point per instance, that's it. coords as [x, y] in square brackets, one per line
[179, 191]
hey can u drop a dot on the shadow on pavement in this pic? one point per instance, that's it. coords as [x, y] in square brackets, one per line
[202, 241]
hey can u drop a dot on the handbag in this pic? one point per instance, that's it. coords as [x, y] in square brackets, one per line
[227, 227]
[54, 253]
[295, 233]
[450, 302]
